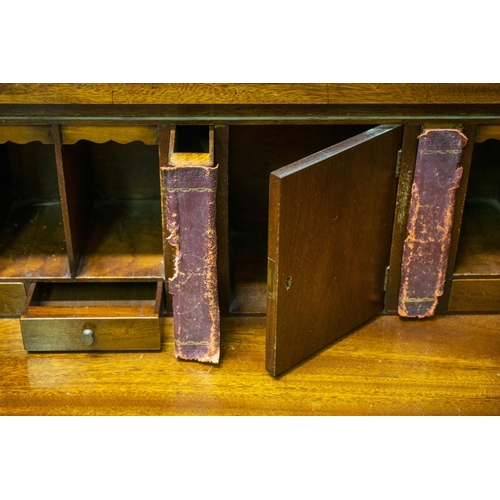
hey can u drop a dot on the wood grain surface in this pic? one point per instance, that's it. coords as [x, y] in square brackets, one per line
[23, 135]
[12, 298]
[123, 134]
[124, 241]
[475, 295]
[254, 93]
[330, 223]
[254, 152]
[247, 114]
[441, 366]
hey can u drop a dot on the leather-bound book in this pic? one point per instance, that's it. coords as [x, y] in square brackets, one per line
[426, 248]
[190, 184]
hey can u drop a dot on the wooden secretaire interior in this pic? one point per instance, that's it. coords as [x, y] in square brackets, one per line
[314, 197]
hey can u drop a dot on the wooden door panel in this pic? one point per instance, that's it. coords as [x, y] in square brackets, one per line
[330, 223]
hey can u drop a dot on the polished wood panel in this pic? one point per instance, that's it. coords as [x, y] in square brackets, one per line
[12, 298]
[475, 295]
[24, 134]
[75, 193]
[115, 333]
[187, 159]
[248, 114]
[330, 224]
[122, 134]
[243, 93]
[441, 366]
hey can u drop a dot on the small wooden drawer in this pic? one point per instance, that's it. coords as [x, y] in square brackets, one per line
[92, 316]
[12, 298]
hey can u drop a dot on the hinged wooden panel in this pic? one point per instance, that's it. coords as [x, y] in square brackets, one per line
[330, 223]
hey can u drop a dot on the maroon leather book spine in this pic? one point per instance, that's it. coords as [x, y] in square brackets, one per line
[430, 220]
[191, 213]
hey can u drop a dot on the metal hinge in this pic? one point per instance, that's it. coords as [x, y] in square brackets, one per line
[398, 162]
[386, 279]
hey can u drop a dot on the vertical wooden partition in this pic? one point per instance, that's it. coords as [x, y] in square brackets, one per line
[74, 185]
[111, 191]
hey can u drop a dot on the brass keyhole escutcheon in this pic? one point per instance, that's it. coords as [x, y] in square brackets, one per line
[288, 283]
[87, 337]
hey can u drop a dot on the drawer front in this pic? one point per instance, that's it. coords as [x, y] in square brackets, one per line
[92, 317]
[475, 295]
[12, 298]
[101, 334]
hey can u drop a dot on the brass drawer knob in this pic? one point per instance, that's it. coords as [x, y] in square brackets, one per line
[87, 337]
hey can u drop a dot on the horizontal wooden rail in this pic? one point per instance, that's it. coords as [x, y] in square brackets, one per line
[244, 93]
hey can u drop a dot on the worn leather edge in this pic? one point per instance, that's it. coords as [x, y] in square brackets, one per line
[426, 248]
[191, 222]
